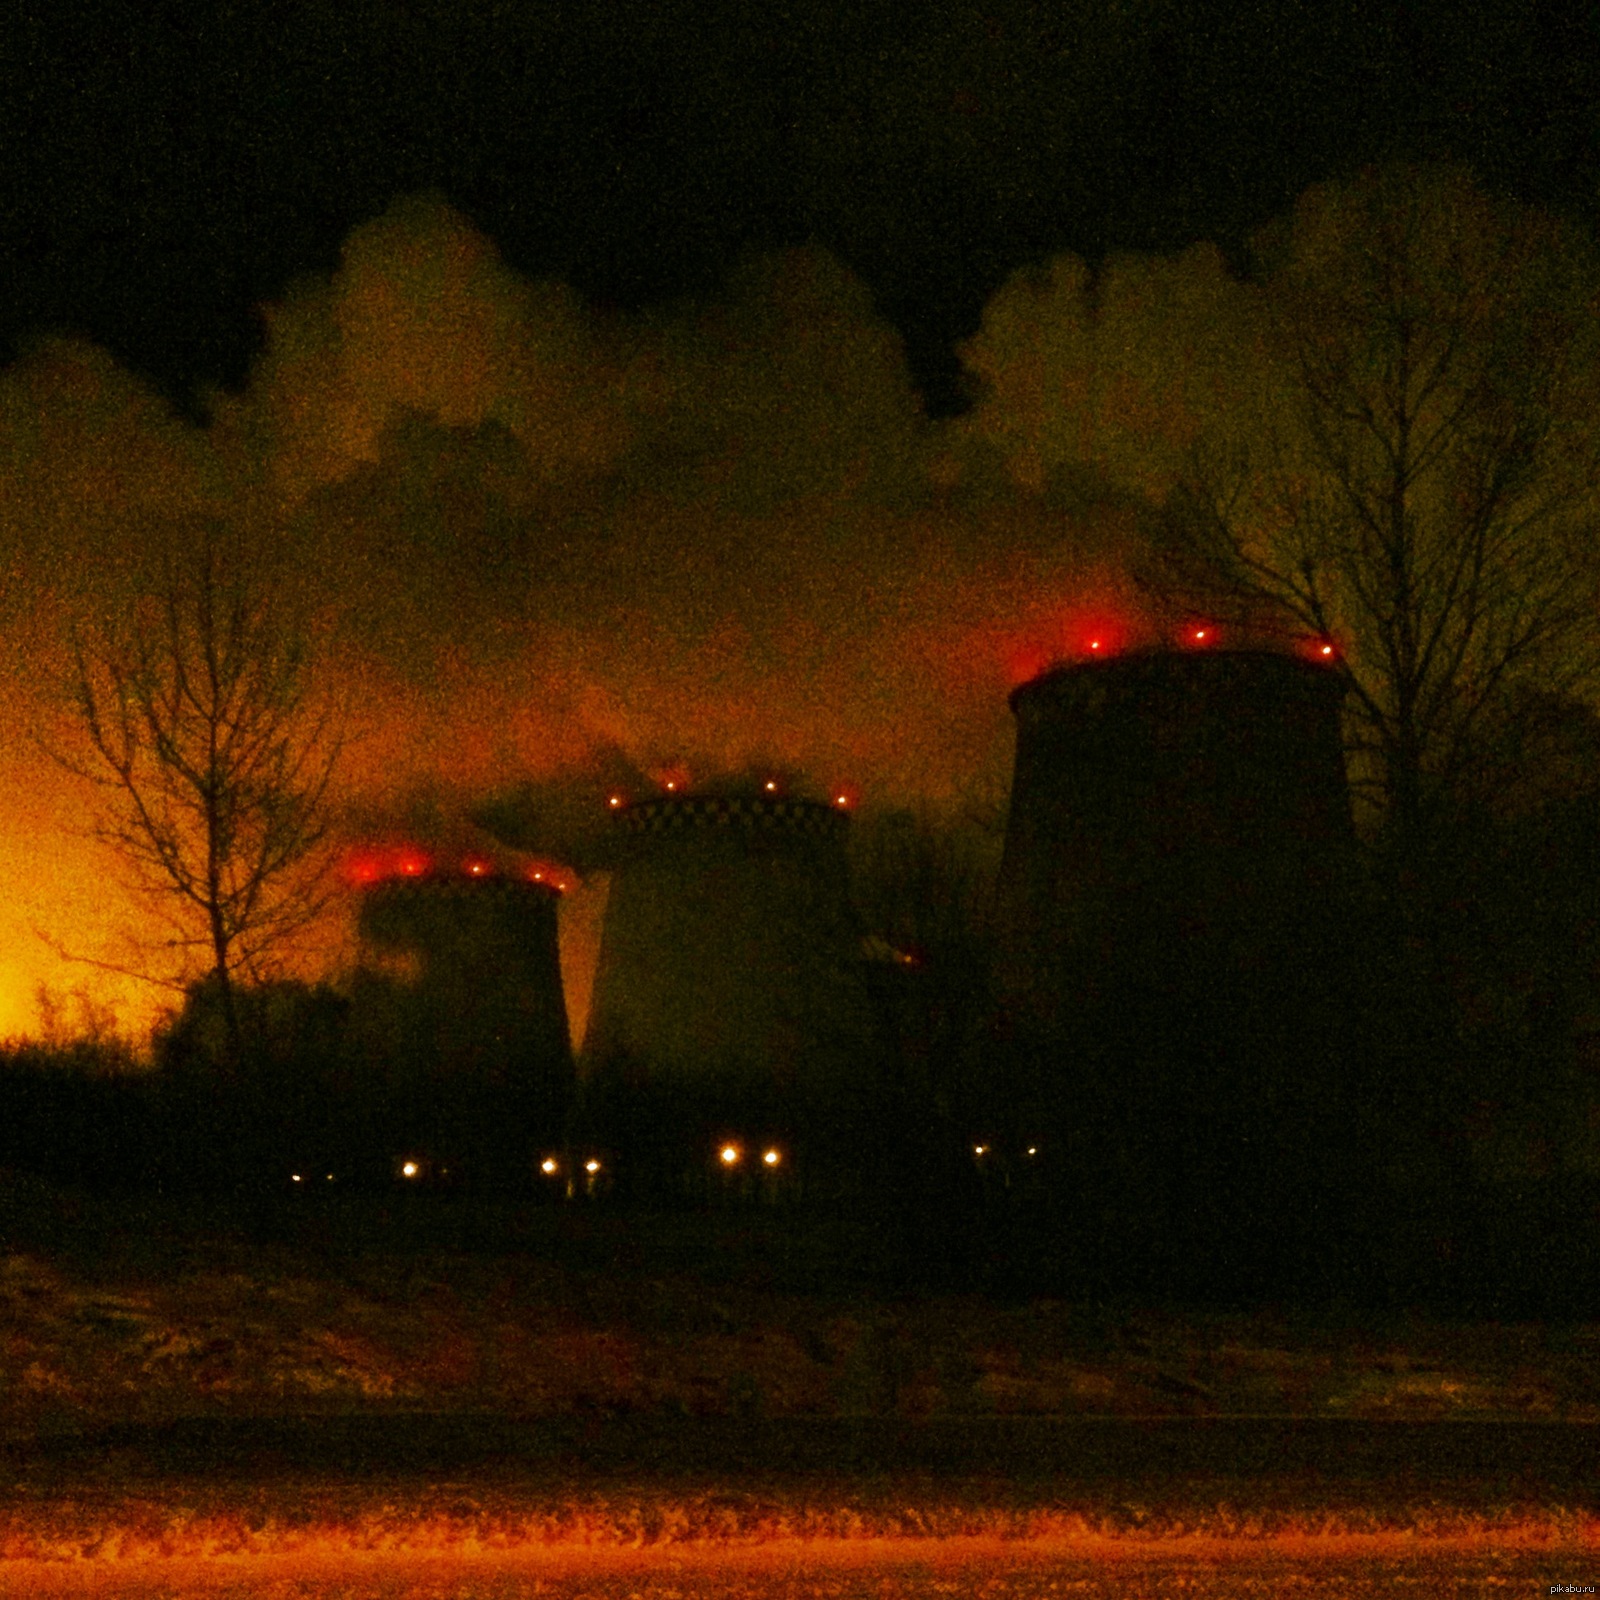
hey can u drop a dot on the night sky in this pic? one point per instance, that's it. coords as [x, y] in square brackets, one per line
[171, 167]
[677, 385]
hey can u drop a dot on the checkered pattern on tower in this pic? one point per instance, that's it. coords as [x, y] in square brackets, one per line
[732, 811]
[446, 885]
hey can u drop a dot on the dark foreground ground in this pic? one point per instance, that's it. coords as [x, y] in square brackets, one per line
[371, 1402]
[1477, 1464]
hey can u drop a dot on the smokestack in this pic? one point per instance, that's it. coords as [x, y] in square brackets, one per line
[1173, 943]
[461, 996]
[730, 1006]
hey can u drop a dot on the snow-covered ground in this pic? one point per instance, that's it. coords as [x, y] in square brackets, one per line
[528, 1338]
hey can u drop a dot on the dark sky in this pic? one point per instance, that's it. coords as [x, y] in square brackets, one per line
[175, 163]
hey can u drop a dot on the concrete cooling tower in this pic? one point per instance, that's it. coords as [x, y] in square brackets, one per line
[1173, 925]
[461, 1004]
[729, 1002]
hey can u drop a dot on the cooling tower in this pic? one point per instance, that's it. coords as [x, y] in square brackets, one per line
[462, 1002]
[1174, 944]
[730, 998]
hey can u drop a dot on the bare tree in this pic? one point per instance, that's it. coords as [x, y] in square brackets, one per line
[1421, 492]
[213, 765]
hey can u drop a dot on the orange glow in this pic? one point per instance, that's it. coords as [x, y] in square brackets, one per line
[412, 863]
[770, 786]
[548, 1165]
[729, 1155]
[476, 1543]
[475, 866]
[591, 1166]
[771, 1157]
[1025, 663]
[614, 801]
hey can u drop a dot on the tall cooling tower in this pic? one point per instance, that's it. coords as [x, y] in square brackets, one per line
[730, 998]
[1173, 925]
[468, 1015]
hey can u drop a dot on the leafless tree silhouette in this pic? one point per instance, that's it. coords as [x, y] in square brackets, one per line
[212, 762]
[1423, 491]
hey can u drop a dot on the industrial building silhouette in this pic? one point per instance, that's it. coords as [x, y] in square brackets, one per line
[460, 1002]
[731, 1028]
[1175, 931]
[1172, 943]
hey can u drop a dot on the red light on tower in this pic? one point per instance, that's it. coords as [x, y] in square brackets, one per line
[1320, 648]
[1097, 632]
[364, 870]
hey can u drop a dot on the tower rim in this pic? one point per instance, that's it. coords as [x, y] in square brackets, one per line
[1191, 664]
[712, 809]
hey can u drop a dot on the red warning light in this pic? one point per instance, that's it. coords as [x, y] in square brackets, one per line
[1094, 644]
[1321, 649]
[411, 863]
